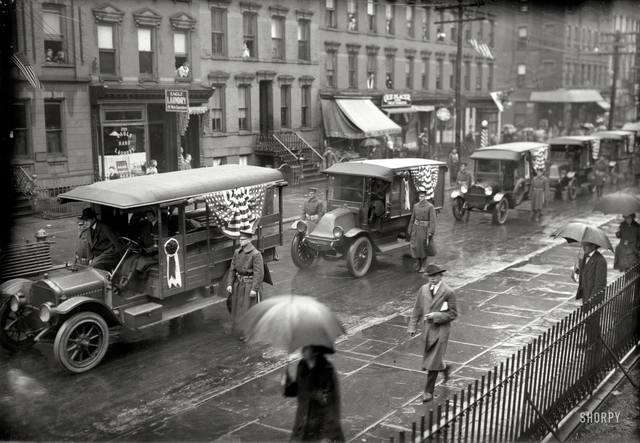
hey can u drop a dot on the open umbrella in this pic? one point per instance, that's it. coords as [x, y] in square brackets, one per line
[583, 232]
[509, 129]
[370, 143]
[618, 203]
[290, 322]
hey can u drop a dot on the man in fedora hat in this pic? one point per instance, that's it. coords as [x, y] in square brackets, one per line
[313, 208]
[436, 306]
[422, 226]
[104, 247]
[244, 279]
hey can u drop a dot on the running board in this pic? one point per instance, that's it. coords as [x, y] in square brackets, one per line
[184, 309]
[393, 246]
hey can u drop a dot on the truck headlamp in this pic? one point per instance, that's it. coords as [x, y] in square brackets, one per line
[46, 312]
[301, 227]
[488, 190]
[464, 189]
[338, 232]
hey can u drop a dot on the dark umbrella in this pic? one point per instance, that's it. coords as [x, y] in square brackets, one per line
[618, 203]
[370, 143]
[583, 232]
[290, 322]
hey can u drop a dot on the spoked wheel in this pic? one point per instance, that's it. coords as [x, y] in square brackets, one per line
[501, 211]
[301, 255]
[572, 190]
[15, 331]
[458, 208]
[360, 256]
[81, 342]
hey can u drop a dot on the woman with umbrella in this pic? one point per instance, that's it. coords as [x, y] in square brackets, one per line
[628, 250]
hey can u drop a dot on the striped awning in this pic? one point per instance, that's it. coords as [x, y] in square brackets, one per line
[27, 71]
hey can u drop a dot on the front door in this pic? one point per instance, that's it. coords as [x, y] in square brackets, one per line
[190, 141]
[266, 106]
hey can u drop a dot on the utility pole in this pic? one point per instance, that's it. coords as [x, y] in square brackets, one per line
[637, 71]
[616, 56]
[459, 7]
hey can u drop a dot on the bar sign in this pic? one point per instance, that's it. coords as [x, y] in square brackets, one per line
[176, 100]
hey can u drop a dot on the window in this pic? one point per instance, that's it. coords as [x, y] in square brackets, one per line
[439, 74]
[453, 33]
[216, 109]
[390, 62]
[53, 30]
[145, 51]
[410, 13]
[304, 37]
[249, 32]
[19, 128]
[305, 111]
[53, 125]
[285, 106]
[467, 76]
[425, 23]
[388, 19]
[478, 76]
[330, 14]
[481, 30]
[409, 72]
[244, 108]
[331, 68]
[106, 49]
[219, 31]
[353, 70]
[219, 161]
[372, 68]
[243, 160]
[277, 37]
[467, 32]
[372, 12]
[425, 73]
[520, 114]
[522, 37]
[452, 75]
[524, 7]
[490, 78]
[352, 15]
[180, 49]
[522, 72]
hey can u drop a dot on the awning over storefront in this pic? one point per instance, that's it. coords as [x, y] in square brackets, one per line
[410, 109]
[568, 96]
[355, 119]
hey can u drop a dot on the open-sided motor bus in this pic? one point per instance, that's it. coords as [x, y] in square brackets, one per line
[83, 309]
[369, 205]
[502, 175]
[571, 163]
[617, 147]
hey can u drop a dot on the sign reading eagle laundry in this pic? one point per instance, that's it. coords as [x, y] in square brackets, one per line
[391, 100]
[176, 100]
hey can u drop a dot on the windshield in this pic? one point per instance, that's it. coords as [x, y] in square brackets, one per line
[346, 188]
[609, 148]
[488, 166]
[557, 154]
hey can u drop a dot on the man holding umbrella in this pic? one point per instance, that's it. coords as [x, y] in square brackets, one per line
[436, 306]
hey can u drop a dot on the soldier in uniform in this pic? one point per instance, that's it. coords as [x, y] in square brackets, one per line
[602, 171]
[313, 208]
[539, 193]
[244, 279]
[464, 176]
[422, 226]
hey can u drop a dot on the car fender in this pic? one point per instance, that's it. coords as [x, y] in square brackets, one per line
[353, 233]
[456, 193]
[294, 225]
[80, 303]
[14, 286]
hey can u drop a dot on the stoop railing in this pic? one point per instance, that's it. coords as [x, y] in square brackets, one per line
[527, 395]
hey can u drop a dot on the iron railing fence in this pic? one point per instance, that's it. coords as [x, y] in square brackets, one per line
[527, 395]
[47, 205]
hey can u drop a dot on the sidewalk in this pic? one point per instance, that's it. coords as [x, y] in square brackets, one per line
[379, 366]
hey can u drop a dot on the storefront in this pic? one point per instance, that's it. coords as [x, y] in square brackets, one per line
[414, 119]
[133, 127]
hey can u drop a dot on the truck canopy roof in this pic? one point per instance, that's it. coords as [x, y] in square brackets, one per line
[155, 189]
[506, 151]
[571, 140]
[383, 168]
[615, 135]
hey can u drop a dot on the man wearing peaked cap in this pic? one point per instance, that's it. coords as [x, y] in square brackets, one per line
[422, 226]
[313, 208]
[244, 279]
[436, 307]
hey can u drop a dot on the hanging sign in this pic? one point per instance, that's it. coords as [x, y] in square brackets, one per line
[176, 100]
[393, 100]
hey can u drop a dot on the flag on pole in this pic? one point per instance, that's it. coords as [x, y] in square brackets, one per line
[27, 71]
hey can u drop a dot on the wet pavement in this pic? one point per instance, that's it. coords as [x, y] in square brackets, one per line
[197, 383]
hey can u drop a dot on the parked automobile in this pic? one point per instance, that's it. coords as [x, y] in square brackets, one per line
[502, 175]
[635, 128]
[571, 163]
[81, 310]
[617, 147]
[369, 205]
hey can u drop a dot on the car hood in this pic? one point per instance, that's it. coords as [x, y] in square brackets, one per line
[342, 217]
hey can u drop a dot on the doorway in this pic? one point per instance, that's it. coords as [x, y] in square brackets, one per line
[266, 106]
[190, 141]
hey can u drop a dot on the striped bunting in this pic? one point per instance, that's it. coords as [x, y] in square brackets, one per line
[425, 178]
[237, 209]
[27, 71]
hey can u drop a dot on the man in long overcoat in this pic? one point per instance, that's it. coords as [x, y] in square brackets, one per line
[539, 193]
[313, 209]
[436, 307]
[422, 227]
[244, 279]
[318, 393]
[104, 246]
[628, 250]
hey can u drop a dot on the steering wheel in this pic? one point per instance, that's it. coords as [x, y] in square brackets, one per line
[129, 243]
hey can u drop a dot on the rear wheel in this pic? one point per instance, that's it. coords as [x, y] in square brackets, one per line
[15, 332]
[301, 255]
[360, 256]
[458, 208]
[501, 211]
[81, 342]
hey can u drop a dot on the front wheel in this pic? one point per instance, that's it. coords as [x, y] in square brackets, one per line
[81, 342]
[360, 256]
[15, 332]
[301, 255]
[458, 208]
[501, 211]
